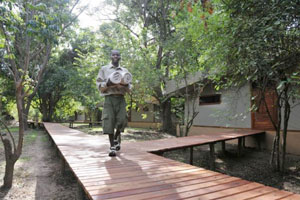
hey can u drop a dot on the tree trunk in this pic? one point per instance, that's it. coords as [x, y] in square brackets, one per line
[47, 107]
[278, 150]
[26, 107]
[276, 147]
[167, 125]
[45, 113]
[287, 111]
[10, 163]
[276, 142]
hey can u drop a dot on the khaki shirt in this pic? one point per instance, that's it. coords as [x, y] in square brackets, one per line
[102, 77]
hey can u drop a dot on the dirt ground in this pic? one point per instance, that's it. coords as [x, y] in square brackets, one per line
[37, 173]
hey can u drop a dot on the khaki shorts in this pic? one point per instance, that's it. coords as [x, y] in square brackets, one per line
[114, 114]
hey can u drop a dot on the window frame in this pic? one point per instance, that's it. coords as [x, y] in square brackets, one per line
[210, 103]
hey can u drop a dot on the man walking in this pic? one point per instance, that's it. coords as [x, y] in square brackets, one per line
[114, 117]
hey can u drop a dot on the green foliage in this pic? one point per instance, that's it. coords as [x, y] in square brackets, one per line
[178, 108]
[69, 83]
[28, 32]
[264, 50]
[265, 40]
[87, 62]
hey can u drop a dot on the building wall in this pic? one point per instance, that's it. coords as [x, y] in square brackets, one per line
[80, 117]
[233, 111]
[294, 121]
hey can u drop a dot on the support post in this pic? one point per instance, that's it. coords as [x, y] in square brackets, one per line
[212, 155]
[240, 146]
[223, 147]
[191, 155]
[257, 139]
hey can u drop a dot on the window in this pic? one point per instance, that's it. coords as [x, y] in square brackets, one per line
[210, 99]
[145, 109]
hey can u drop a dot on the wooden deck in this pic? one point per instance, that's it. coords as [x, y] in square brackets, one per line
[137, 174]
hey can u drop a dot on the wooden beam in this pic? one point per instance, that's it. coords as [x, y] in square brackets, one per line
[191, 155]
[223, 147]
[240, 146]
[257, 139]
[212, 155]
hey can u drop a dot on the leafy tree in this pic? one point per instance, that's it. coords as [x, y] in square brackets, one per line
[264, 49]
[82, 83]
[28, 31]
[146, 27]
[191, 50]
[53, 87]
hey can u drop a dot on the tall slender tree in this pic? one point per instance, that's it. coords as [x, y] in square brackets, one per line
[29, 29]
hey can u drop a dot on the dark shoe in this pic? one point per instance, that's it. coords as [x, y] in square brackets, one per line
[112, 152]
[117, 145]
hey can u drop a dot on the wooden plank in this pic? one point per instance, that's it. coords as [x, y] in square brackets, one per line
[162, 179]
[136, 188]
[123, 167]
[250, 194]
[174, 193]
[158, 177]
[137, 174]
[134, 173]
[228, 192]
[292, 197]
[278, 194]
[120, 173]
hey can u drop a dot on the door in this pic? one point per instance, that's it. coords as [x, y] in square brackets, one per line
[260, 118]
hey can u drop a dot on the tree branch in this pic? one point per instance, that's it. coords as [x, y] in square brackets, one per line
[41, 71]
[126, 26]
[37, 52]
[72, 20]
[12, 138]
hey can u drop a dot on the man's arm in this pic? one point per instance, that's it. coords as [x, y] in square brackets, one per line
[127, 88]
[101, 81]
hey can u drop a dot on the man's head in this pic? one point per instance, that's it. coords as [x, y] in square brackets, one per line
[115, 57]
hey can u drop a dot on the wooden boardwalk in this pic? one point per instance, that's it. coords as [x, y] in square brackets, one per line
[137, 174]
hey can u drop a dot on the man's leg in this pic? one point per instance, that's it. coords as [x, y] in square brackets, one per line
[121, 122]
[108, 123]
[112, 151]
[111, 140]
[117, 139]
